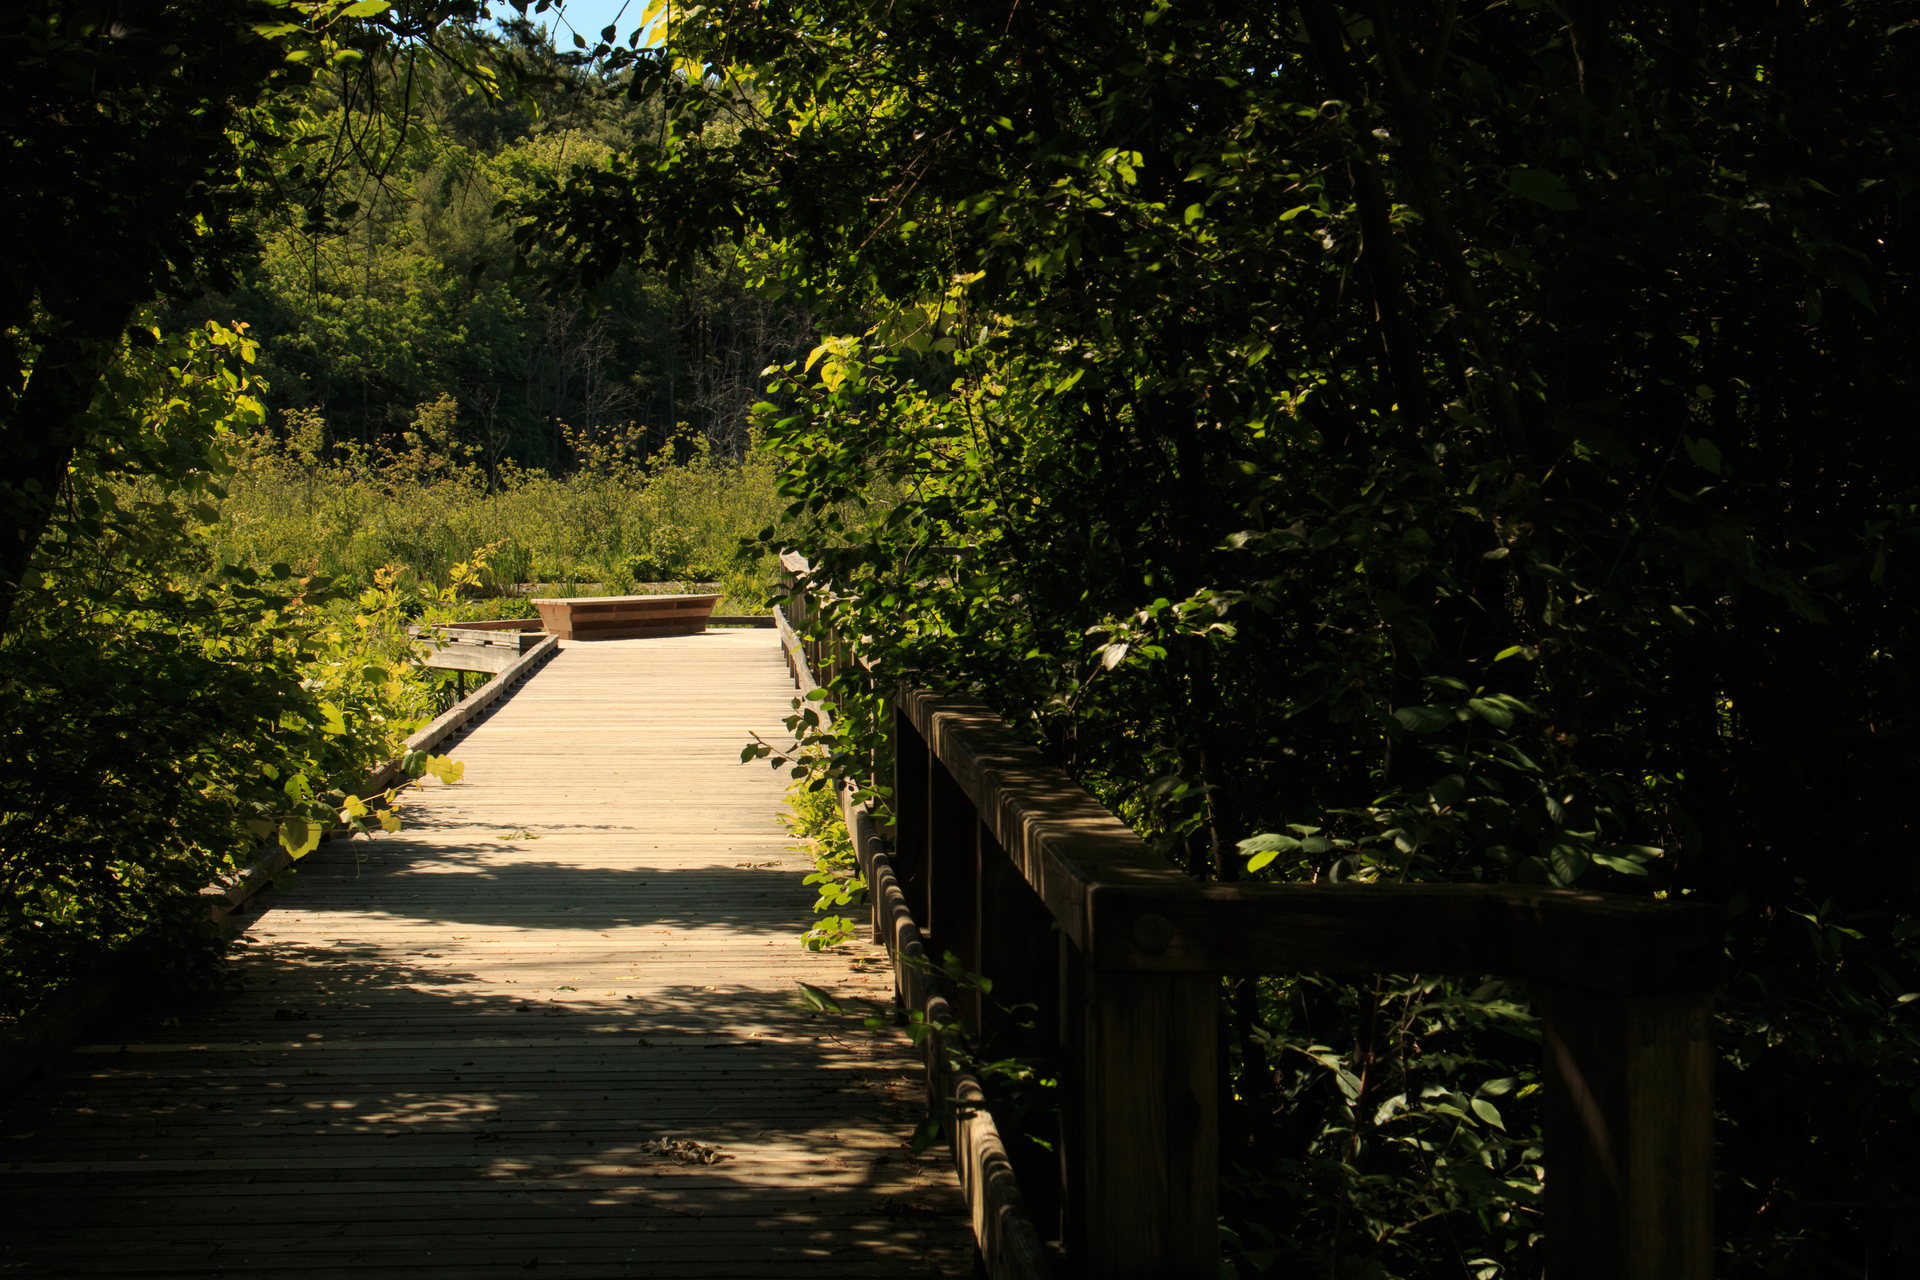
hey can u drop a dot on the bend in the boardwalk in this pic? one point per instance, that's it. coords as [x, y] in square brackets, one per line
[461, 1053]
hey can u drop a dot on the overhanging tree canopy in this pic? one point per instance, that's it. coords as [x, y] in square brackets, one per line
[1470, 435]
[137, 135]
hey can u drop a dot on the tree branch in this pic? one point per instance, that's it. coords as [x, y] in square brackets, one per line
[1380, 253]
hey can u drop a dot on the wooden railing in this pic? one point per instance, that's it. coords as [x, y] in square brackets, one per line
[225, 899]
[1000, 858]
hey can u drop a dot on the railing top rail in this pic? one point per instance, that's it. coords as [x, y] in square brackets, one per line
[1127, 907]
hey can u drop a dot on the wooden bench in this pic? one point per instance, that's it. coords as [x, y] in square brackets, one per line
[626, 617]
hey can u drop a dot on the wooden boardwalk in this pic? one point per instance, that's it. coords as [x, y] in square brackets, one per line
[461, 1053]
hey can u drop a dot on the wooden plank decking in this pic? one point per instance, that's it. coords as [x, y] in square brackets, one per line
[458, 1053]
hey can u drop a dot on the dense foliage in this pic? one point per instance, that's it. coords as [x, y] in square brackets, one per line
[404, 293]
[129, 142]
[609, 524]
[1408, 441]
[270, 388]
[163, 715]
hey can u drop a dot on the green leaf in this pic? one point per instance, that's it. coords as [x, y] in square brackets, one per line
[298, 836]
[366, 8]
[926, 1134]
[1705, 453]
[1488, 1112]
[1618, 863]
[1569, 863]
[1425, 719]
[819, 1000]
[1541, 187]
[1493, 713]
[1263, 849]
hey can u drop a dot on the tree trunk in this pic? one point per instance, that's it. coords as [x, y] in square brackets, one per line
[37, 443]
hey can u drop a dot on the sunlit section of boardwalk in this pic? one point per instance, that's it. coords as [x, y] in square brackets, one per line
[460, 1049]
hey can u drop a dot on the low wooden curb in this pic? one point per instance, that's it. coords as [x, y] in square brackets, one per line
[262, 871]
[1010, 1245]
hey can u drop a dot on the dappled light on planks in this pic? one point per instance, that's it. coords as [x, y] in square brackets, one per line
[462, 1052]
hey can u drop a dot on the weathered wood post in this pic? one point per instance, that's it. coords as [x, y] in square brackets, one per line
[1141, 1147]
[1629, 1129]
[910, 764]
[953, 876]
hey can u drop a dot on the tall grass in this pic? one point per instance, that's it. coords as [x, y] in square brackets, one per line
[613, 524]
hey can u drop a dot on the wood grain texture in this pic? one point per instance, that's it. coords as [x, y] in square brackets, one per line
[1629, 1128]
[1142, 1162]
[625, 617]
[478, 648]
[457, 1054]
[468, 657]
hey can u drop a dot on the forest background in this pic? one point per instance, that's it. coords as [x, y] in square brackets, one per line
[424, 403]
[1397, 441]
[347, 420]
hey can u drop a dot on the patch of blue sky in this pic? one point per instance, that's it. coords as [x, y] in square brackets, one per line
[585, 17]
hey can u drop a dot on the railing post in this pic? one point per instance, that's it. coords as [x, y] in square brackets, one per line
[952, 878]
[1629, 1134]
[1141, 1122]
[880, 772]
[910, 813]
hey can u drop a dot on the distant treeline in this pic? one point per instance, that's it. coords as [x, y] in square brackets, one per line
[401, 292]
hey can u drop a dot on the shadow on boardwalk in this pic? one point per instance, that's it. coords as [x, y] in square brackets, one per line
[352, 1112]
[459, 1054]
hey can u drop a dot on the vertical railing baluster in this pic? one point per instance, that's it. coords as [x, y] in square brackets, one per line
[910, 813]
[1142, 1170]
[952, 877]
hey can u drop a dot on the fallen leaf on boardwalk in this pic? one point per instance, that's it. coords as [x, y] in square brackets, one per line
[683, 1151]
